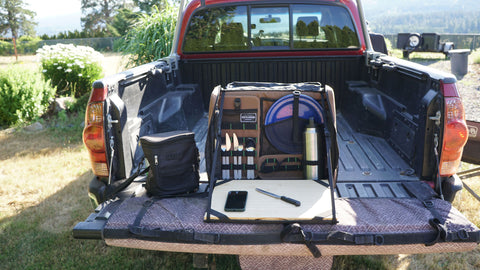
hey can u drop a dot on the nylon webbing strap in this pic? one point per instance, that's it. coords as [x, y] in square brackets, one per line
[294, 234]
[296, 229]
[296, 101]
[116, 187]
[145, 206]
[271, 165]
[437, 222]
[242, 126]
[186, 235]
[192, 236]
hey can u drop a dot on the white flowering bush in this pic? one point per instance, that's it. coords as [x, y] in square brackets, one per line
[71, 69]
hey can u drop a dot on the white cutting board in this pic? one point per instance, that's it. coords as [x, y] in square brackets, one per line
[314, 197]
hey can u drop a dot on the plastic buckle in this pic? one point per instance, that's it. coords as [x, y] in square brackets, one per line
[364, 239]
[210, 238]
[463, 234]
[184, 235]
[379, 240]
[428, 204]
[148, 203]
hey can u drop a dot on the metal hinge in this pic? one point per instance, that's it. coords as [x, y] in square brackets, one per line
[110, 121]
[436, 118]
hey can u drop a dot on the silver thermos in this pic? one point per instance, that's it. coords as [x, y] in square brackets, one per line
[310, 150]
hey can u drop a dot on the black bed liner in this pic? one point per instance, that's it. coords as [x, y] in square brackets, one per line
[370, 211]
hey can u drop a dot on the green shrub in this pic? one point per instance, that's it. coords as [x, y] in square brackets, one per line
[6, 48]
[151, 37]
[24, 95]
[78, 105]
[71, 69]
[476, 56]
[27, 44]
[388, 42]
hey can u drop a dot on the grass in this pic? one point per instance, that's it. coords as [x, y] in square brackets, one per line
[420, 57]
[44, 177]
[476, 56]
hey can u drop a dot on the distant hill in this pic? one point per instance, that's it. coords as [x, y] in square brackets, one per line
[441, 16]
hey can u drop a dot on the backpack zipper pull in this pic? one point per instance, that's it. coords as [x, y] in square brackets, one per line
[156, 160]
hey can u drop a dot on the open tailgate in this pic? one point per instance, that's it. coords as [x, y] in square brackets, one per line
[391, 222]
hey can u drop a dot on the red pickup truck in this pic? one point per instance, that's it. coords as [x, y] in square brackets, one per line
[400, 133]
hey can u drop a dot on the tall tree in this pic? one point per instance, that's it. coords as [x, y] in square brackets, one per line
[97, 14]
[147, 5]
[16, 19]
[123, 21]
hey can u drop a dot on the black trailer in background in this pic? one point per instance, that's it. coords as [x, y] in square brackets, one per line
[425, 42]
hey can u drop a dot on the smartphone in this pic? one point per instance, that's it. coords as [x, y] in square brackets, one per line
[236, 201]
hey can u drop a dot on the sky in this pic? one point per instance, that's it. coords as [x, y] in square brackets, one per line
[54, 16]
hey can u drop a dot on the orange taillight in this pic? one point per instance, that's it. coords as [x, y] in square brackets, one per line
[455, 132]
[94, 139]
[93, 134]
[94, 114]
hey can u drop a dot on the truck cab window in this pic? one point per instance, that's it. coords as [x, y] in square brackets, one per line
[293, 27]
[315, 27]
[270, 28]
[217, 29]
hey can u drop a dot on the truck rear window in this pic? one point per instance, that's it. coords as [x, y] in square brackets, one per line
[292, 27]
